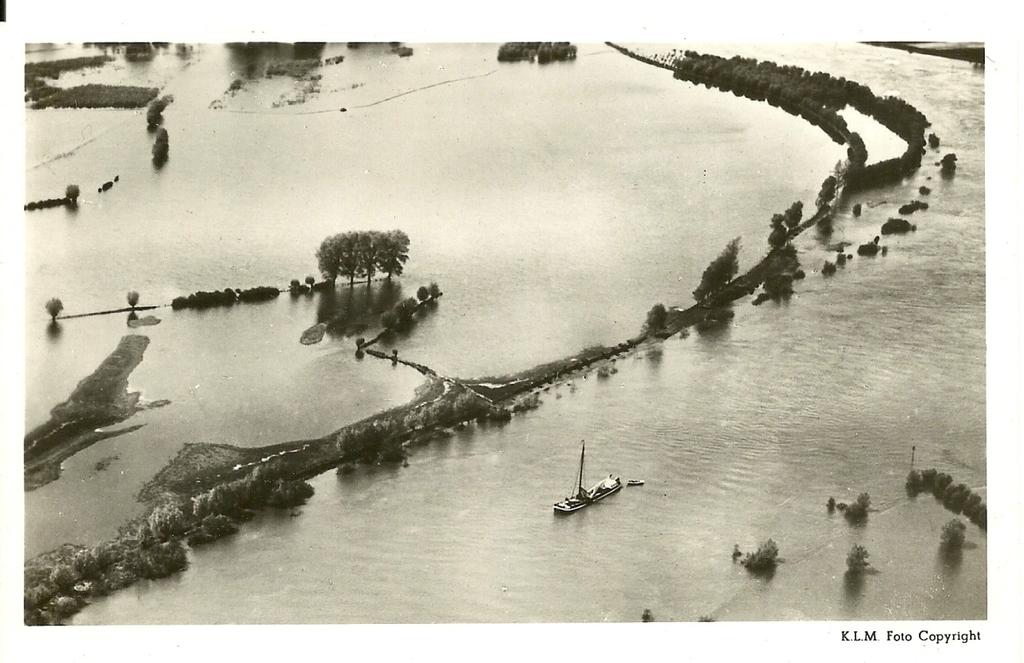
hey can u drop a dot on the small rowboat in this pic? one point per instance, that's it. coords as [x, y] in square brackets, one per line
[635, 482]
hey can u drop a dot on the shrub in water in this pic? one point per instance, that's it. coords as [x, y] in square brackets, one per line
[952, 537]
[54, 306]
[857, 559]
[764, 559]
[858, 511]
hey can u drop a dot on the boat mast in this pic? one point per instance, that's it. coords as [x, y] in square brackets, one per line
[582, 453]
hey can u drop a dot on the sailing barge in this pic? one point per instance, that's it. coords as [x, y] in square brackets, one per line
[583, 497]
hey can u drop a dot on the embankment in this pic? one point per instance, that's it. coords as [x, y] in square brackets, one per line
[100, 400]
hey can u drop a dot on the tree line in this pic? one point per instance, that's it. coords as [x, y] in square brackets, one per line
[817, 97]
[363, 254]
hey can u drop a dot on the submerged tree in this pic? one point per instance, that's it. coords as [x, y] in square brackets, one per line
[161, 147]
[720, 271]
[857, 559]
[393, 252]
[368, 251]
[656, 318]
[764, 559]
[338, 255]
[356, 254]
[71, 193]
[54, 306]
[952, 537]
[133, 298]
[858, 511]
[154, 112]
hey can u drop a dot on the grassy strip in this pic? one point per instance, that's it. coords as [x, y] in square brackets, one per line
[101, 399]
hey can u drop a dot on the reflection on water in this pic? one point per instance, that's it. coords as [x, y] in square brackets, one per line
[54, 331]
[853, 590]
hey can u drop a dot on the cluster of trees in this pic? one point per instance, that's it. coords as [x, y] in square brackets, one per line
[368, 439]
[226, 297]
[542, 51]
[139, 51]
[782, 225]
[151, 546]
[719, 272]
[55, 591]
[94, 95]
[37, 73]
[161, 147]
[264, 485]
[817, 97]
[296, 288]
[402, 314]
[856, 512]
[764, 559]
[363, 253]
[958, 498]
[155, 111]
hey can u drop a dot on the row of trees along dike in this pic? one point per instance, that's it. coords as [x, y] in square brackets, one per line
[54, 306]
[70, 200]
[155, 111]
[541, 51]
[226, 297]
[817, 97]
[401, 316]
[362, 254]
[716, 276]
[956, 497]
[60, 583]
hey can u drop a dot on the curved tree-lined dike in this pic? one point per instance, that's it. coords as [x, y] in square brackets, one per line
[207, 490]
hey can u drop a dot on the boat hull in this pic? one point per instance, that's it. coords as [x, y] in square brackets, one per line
[566, 506]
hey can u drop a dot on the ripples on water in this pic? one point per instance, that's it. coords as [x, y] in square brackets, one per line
[605, 187]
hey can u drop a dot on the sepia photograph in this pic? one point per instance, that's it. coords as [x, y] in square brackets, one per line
[482, 332]
[496, 331]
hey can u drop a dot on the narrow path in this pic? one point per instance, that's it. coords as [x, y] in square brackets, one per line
[361, 106]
